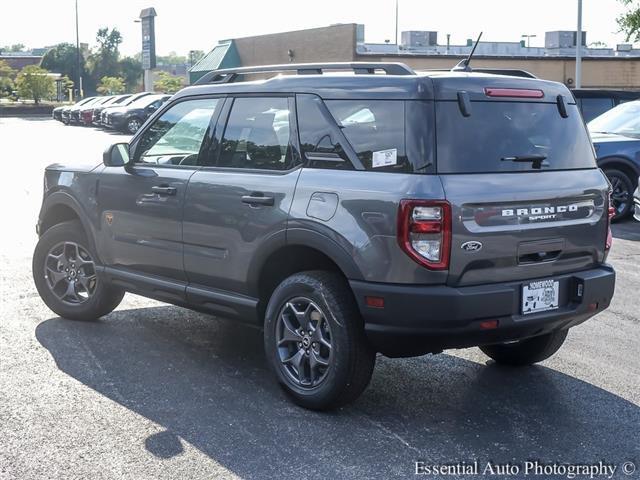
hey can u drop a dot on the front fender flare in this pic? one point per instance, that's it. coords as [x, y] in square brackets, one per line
[63, 198]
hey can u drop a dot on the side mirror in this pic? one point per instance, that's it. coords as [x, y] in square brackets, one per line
[117, 155]
[151, 108]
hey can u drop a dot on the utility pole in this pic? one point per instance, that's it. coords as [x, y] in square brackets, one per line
[396, 23]
[79, 79]
[579, 47]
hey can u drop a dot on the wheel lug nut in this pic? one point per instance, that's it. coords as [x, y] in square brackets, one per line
[299, 344]
[314, 344]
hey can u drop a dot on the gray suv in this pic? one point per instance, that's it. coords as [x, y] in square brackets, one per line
[381, 210]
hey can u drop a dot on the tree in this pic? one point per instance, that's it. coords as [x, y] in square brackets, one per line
[195, 56]
[629, 22]
[63, 59]
[7, 75]
[103, 61]
[35, 82]
[167, 83]
[111, 85]
[172, 59]
[17, 47]
[131, 71]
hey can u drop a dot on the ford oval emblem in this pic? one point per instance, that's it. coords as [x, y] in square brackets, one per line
[472, 246]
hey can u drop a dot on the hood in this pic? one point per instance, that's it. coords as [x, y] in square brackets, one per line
[597, 137]
[79, 167]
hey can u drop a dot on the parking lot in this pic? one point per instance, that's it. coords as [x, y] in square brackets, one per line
[154, 391]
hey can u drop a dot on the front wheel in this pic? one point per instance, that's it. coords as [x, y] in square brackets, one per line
[622, 193]
[526, 352]
[315, 341]
[66, 276]
[133, 125]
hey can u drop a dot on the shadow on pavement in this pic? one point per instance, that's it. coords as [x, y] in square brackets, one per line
[627, 230]
[205, 382]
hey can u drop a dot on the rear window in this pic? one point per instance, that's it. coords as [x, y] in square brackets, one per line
[497, 132]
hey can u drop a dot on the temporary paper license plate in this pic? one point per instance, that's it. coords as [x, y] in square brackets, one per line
[540, 296]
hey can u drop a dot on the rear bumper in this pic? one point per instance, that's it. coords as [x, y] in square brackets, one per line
[420, 319]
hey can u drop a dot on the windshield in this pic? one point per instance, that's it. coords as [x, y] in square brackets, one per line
[144, 101]
[623, 119]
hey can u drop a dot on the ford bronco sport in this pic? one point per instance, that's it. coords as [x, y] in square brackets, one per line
[379, 211]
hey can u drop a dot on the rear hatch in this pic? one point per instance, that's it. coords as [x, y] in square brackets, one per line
[519, 171]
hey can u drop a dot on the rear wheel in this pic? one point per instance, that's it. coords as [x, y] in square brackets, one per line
[65, 274]
[526, 352]
[622, 194]
[315, 342]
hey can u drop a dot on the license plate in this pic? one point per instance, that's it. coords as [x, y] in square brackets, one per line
[540, 296]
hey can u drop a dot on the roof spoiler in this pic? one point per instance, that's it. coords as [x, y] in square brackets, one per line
[511, 72]
[229, 75]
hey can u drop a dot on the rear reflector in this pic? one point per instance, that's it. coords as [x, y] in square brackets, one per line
[375, 302]
[489, 324]
[513, 92]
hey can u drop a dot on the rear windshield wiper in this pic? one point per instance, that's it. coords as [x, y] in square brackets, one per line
[537, 161]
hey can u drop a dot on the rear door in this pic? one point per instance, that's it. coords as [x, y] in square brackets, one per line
[526, 196]
[237, 205]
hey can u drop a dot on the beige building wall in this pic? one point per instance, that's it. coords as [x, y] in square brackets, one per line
[622, 73]
[326, 44]
[337, 43]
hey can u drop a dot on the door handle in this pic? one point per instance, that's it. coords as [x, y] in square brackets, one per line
[164, 190]
[257, 198]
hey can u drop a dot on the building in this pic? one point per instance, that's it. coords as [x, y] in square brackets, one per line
[21, 60]
[601, 67]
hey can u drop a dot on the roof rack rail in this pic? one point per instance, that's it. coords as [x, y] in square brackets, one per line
[512, 72]
[229, 75]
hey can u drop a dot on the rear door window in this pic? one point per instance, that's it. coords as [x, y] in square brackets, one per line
[257, 135]
[496, 132]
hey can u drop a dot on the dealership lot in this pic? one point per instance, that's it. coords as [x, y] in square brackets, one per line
[156, 391]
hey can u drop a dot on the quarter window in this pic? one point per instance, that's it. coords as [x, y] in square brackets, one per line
[257, 135]
[375, 130]
[176, 137]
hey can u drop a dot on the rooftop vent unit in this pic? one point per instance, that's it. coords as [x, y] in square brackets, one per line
[418, 39]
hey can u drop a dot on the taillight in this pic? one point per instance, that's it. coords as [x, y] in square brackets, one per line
[610, 214]
[513, 92]
[424, 232]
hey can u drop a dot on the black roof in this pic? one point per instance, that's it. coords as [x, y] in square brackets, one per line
[440, 85]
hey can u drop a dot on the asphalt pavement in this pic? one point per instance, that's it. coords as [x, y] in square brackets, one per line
[154, 391]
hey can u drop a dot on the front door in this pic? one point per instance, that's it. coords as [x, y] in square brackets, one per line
[141, 205]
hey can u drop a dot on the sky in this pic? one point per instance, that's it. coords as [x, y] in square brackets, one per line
[198, 25]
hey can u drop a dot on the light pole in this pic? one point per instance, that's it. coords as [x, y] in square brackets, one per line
[579, 47]
[78, 55]
[396, 23]
[528, 37]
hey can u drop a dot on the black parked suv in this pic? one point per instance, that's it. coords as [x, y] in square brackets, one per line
[593, 102]
[129, 118]
[384, 211]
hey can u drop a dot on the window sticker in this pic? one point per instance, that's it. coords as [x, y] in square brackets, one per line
[385, 158]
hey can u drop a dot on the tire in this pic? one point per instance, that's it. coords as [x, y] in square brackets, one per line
[133, 125]
[350, 360]
[89, 297]
[622, 194]
[526, 352]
